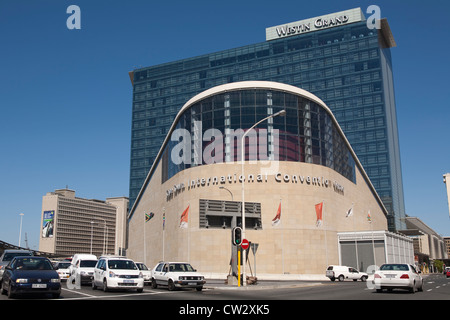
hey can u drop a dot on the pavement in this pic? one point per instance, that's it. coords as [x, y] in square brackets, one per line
[265, 282]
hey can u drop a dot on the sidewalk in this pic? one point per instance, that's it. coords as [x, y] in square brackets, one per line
[215, 281]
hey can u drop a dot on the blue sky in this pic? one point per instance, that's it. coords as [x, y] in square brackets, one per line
[65, 95]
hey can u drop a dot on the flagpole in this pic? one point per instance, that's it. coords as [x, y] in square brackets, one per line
[164, 232]
[356, 241]
[282, 241]
[145, 247]
[373, 242]
[324, 229]
[189, 235]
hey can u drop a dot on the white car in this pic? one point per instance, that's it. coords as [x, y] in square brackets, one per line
[177, 275]
[63, 269]
[342, 272]
[117, 273]
[146, 272]
[398, 276]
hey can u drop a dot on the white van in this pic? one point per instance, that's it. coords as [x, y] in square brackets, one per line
[342, 272]
[82, 267]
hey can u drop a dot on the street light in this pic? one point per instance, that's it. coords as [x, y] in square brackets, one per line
[92, 233]
[20, 229]
[222, 187]
[280, 113]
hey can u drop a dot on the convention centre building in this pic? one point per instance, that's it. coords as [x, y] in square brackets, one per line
[307, 198]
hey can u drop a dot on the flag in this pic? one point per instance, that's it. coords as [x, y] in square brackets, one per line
[369, 217]
[276, 221]
[319, 208]
[349, 212]
[184, 218]
[148, 216]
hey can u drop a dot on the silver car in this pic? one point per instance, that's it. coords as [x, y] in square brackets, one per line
[8, 255]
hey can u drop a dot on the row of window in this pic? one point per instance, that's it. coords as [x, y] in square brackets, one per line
[306, 134]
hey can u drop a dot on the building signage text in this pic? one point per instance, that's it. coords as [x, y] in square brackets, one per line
[315, 24]
[318, 181]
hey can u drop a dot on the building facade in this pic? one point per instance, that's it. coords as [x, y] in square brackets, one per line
[71, 225]
[336, 57]
[428, 244]
[302, 181]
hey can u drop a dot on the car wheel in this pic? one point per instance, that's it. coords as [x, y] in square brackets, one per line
[420, 288]
[341, 278]
[199, 288]
[10, 294]
[363, 278]
[154, 285]
[140, 290]
[105, 285]
[171, 285]
[3, 289]
[94, 287]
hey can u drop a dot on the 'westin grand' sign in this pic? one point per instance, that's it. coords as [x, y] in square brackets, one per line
[314, 24]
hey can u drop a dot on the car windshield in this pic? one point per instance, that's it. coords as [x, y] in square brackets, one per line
[63, 265]
[88, 263]
[180, 267]
[32, 264]
[122, 264]
[394, 267]
[141, 266]
[10, 255]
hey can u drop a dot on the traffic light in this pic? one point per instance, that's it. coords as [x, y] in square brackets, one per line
[237, 236]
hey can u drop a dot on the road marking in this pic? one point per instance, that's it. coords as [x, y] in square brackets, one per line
[117, 296]
[79, 292]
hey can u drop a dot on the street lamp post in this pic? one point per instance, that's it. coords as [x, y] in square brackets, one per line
[20, 228]
[92, 233]
[244, 254]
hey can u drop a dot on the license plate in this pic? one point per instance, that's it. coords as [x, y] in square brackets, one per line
[192, 283]
[390, 276]
[39, 285]
[128, 281]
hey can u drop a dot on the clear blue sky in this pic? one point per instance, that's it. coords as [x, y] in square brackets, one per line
[65, 95]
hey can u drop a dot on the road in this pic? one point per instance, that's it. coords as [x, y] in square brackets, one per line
[436, 287]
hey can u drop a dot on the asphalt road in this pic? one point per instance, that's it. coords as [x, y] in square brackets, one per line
[436, 287]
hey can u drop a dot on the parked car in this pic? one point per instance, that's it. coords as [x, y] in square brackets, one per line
[447, 272]
[117, 273]
[82, 266]
[63, 269]
[342, 272]
[177, 275]
[30, 275]
[8, 255]
[145, 272]
[398, 276]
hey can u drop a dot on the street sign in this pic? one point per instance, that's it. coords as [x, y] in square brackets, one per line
[254, 247]
[245, 244]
